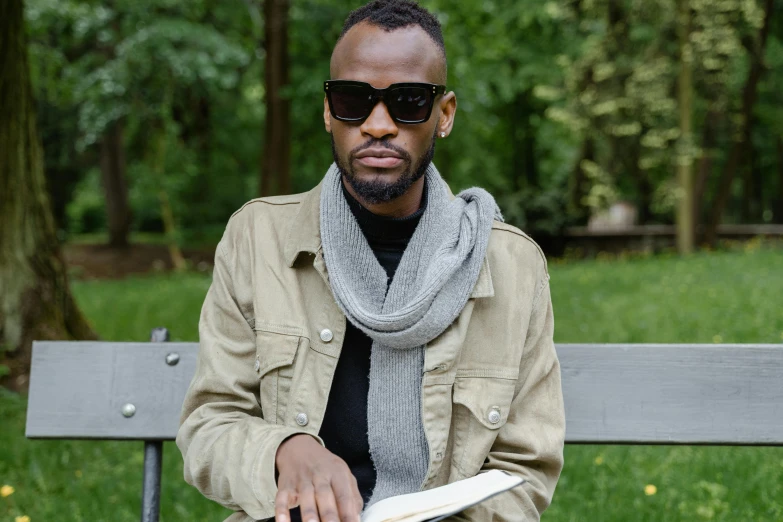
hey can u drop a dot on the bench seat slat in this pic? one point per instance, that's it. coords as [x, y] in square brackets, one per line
[614, 393]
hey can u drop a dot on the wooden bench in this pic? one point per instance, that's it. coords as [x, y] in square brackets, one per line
[614, 394]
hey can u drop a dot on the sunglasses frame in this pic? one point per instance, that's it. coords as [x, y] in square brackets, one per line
[381, 95]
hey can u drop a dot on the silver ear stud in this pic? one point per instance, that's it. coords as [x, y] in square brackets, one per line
[442, 134]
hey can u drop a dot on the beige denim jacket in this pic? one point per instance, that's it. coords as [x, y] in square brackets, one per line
[270, 336]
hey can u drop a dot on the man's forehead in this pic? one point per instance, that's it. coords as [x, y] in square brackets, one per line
[371, 54]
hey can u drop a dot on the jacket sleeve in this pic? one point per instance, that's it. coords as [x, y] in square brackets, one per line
[228, 448]
[530, 444]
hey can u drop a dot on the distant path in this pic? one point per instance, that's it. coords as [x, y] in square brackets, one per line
[102, 262]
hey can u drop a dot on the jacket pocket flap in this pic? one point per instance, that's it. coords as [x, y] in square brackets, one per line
[274, 350]
[489, 400]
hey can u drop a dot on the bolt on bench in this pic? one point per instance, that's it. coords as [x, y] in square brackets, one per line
[614, 394]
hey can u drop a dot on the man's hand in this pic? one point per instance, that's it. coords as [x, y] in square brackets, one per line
[316, 480]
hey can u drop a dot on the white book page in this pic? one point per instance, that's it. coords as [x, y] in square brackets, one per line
[448, 499]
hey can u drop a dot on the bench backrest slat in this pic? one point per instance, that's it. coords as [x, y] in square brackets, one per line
[78, 389]
[625, 394]
[673, 394]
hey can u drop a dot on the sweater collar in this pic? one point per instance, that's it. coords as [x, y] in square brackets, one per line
[382, 227]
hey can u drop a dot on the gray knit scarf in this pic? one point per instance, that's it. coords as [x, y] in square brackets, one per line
[435, 277]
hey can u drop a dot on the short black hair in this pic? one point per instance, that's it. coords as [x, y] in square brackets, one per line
[396, 14]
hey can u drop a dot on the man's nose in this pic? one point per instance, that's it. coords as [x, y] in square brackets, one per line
[379, 123]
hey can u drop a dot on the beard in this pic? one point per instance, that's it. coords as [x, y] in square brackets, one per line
[377, 191]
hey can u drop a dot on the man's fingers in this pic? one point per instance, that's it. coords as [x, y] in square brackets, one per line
[319, 482]
[327, 505]
[307, 505]
[283, 501]
[349, 500]
[359, 499]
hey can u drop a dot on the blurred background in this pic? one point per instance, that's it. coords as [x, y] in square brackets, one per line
[640, 142]
[165, 116]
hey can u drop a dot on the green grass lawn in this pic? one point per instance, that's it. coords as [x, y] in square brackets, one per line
[720, 297]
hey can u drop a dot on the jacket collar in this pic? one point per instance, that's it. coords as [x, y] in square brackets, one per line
[304, 236]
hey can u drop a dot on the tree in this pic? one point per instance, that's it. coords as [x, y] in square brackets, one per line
[779, 199]
[685, 230]
[36, 300]
[740, 148]
[119, 73]
[115, 185]
[276, 155]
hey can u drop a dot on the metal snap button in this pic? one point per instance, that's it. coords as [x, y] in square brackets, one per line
[257, 365]
[301, 419]
[494, 416]
[172, 359]
[326, 335]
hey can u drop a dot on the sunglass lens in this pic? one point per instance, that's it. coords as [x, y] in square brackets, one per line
[351, 102]
[410, 104]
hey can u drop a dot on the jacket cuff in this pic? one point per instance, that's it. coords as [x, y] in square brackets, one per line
[262, 479]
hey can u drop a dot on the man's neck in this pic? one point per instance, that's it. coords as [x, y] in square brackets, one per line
[403, 206]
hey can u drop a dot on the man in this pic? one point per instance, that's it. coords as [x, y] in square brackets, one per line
[376, 335]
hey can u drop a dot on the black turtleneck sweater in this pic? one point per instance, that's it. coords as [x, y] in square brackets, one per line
[344, 429]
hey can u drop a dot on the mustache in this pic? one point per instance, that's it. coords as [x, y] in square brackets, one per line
[381, 143]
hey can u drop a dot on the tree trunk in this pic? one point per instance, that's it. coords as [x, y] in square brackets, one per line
[170, 230]
[115, 185]
[645, 188]
[276, 161]
[752, 187]
[35, 299]
[739, 148]
[166, 212]
[708, 141]
[777, 211]
[685, 230]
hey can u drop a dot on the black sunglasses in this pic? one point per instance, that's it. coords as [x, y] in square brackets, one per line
[406, 102]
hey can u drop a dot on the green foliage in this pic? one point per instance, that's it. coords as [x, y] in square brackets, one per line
[534, 82]
[156, 61]
[167, 70]
[87, 212]
[536, 210]
[619, 88]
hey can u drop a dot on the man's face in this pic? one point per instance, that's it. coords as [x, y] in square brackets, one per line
[380, 158]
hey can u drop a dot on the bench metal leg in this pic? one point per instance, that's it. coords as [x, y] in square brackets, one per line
[150, 500]
[153, 458]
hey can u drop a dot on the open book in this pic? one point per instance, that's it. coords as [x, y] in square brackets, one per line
[439, 503]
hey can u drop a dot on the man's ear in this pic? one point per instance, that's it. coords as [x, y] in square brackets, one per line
[448, 110]
[327, 116]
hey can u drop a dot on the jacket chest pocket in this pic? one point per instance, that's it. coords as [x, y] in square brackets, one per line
[481, 408]
[275, 356]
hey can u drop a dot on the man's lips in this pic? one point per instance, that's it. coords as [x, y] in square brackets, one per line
[379, 158]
